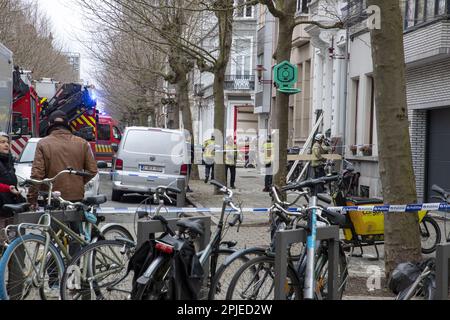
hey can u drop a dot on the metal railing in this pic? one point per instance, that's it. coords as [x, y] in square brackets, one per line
[239, 82]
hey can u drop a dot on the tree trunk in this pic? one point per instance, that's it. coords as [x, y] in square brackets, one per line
[225, 22]
[219, 125]
[280, 121]
[402, 239]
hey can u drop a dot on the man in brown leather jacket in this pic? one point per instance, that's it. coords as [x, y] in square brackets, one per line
[58, 151]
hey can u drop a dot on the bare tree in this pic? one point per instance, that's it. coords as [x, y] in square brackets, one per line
[402, 238]
[26, 31]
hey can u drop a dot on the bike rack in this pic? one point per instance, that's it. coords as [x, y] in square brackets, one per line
[287, 237]
[61, 215]
[442, 280]
[147, 228]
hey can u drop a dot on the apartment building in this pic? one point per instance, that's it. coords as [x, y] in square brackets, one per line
[241, 121]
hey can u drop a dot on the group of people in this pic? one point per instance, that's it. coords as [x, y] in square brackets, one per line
[320, 147]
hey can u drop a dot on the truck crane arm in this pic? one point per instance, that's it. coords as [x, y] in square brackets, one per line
[73, 99]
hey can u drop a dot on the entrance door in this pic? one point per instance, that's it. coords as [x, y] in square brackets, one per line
[438, 165]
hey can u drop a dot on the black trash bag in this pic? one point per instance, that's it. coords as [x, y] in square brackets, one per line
[140, 261]
[403, 276]
[187, 273]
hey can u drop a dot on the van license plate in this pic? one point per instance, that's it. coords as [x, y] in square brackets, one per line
[151, 168]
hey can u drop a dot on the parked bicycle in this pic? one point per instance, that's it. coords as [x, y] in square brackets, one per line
[306, 276]
[366, 228]
[101, 270]
[156, 282]
[424, 284]
[33, 263]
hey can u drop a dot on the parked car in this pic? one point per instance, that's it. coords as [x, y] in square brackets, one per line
[24, 164]
[150, 157]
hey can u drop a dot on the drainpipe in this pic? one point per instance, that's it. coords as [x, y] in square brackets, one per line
[347, 70]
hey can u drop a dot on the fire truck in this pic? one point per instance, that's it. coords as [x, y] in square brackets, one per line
[108, 138]
[31, 112]
[34, 101]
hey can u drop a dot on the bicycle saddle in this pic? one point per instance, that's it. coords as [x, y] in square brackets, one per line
[192, 225]
[12, 209]
[96, 200]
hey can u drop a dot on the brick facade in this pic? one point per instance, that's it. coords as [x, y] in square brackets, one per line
[418, 133]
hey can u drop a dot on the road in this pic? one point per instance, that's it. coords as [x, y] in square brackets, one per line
[128, 201]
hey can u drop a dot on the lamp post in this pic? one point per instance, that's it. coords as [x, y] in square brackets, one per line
[259, 74]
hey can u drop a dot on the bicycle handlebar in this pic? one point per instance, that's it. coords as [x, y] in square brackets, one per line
[439, 190]
[222, 188]
[47, 181]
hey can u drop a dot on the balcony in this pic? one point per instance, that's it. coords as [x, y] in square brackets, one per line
[239, 82]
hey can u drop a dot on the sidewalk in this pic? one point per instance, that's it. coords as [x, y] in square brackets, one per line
[249, 186]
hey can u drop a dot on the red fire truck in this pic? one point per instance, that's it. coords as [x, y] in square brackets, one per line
[30, 112]
[108, 137]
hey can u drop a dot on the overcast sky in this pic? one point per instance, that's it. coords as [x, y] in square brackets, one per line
[68, 27]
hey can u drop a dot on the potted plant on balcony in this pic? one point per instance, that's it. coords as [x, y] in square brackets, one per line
[366, 150]
[353, 149]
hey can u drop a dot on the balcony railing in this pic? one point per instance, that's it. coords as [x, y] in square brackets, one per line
[239, 82]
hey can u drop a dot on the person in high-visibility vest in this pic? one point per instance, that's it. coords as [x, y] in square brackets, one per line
[231, 160]
[209, 153]
[268, 160]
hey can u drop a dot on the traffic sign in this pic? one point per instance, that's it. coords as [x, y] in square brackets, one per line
[285, 77]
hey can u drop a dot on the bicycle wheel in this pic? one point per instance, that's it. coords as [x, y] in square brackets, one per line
[255, 281]
[114, 232]
[99, 272]
[227, 266]
[159, 285]
[423, 290]
[430, 234]
[20, 267]
[321, 290]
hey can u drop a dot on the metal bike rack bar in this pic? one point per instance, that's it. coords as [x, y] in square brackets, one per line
[146, 228]
[288, 237]
[63, 216]
[442, 280]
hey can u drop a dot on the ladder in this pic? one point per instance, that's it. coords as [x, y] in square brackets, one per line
[306, 146]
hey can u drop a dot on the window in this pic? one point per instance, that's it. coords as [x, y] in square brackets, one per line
[372, 111]
[261, 15]
[302, 6]
[419, 11]
[410, 13]
[356, 104]
[116, 133]
[430, 9]
[242, 63]
[243, 10]
[104, 132]
[441, 7]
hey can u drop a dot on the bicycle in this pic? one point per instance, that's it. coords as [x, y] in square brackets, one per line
[234, 261]
[155, 283]
[100, 270]
[306, 276]
[424, 286]
[366, 228]
[36, 261]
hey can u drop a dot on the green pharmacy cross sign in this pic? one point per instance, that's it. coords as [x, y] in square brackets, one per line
[286, 76]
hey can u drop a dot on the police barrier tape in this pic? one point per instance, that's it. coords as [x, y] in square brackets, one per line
[378, 208]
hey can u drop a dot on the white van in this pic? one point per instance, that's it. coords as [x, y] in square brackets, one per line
[150, 157]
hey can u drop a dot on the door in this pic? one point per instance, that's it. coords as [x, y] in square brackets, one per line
[438, 160]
